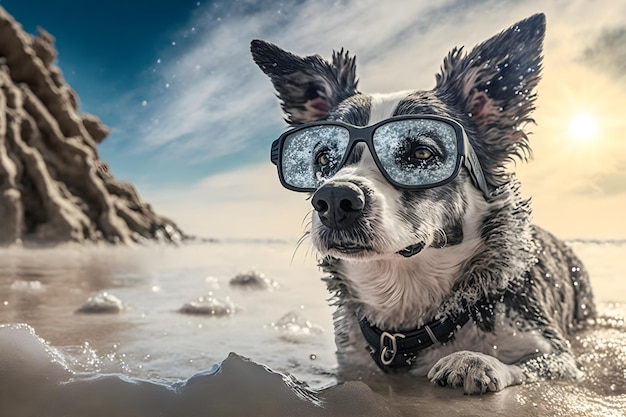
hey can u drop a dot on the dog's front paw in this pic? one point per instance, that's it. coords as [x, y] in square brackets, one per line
[476, 372]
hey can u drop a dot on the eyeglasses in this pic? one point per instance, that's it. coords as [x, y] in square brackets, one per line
[412, 152]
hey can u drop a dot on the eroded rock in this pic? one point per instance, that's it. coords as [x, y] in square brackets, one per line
[52, 187]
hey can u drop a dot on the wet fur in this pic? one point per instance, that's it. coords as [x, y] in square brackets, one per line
[536, 290]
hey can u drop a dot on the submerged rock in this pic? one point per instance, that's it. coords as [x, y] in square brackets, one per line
[53, 186]
[102, 303]
[27, 286]
[252, 280]
[294, 327]
[209, 306]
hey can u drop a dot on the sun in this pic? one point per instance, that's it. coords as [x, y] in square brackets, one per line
[583, 127]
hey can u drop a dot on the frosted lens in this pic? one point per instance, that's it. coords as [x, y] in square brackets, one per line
[304, 149]
[396, 143]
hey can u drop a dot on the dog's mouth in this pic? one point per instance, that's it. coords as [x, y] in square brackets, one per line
[360, 250]
[411, 250]
[351, 249]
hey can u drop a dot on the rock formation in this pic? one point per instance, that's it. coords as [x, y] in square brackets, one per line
[53, 186]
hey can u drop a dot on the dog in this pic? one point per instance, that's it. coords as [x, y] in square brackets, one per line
[434, 265]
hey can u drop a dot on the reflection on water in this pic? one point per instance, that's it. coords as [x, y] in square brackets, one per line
[150, 335]
[151, 339]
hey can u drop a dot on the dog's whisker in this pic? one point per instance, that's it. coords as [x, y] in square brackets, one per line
[298, 244]
[306, 217]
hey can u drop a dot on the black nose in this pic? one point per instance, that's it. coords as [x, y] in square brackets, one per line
[339, 204]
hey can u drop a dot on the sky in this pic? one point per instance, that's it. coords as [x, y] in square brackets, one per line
[192, 118]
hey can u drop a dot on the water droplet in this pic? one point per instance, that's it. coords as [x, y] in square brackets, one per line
[159, 61]
[144, 103]
[167, 85]
[173, 43]
[313, 356]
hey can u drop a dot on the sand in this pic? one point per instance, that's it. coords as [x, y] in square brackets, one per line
[148, 358]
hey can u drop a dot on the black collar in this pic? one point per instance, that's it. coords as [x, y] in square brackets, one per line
[392, 349]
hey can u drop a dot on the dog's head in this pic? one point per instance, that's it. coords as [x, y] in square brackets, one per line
[358, 211]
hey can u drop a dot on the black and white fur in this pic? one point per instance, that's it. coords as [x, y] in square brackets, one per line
[475, 248]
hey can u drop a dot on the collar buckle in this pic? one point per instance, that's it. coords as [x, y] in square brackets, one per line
[388, 353]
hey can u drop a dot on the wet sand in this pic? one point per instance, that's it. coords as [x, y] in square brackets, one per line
[150, 359]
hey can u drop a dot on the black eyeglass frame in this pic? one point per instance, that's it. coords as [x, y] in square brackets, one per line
[465, 151]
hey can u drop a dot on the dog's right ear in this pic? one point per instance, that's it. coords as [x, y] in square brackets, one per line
[308, 87]
[494, 85]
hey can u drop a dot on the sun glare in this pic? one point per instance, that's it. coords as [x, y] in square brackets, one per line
[583, 127]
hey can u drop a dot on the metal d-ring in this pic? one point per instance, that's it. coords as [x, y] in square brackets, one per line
[394, 347]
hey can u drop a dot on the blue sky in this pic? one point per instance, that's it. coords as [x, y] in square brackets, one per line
[124, 60]
[192, 117]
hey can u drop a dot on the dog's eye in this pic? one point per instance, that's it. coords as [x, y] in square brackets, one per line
[422, 153]
[322, 159]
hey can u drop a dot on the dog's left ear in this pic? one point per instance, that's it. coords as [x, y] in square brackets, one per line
[308, 87]
[494, 85]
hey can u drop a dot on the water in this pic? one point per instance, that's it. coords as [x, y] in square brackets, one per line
[150, 350]
[150, 338]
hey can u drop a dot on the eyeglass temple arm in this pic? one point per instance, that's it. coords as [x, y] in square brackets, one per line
[274, 153]
[472, 164]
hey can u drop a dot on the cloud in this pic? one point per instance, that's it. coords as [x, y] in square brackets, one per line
[207, 100]
[209, 107]
[608, 52]
[606, 184]
[246, 203]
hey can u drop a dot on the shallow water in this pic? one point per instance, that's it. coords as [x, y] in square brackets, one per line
[286, 327]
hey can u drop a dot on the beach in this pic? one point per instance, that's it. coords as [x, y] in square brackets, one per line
[265, 350]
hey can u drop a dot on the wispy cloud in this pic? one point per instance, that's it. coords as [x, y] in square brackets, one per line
[608, 52]
[247, 203]
[209, 100]
[206, 102]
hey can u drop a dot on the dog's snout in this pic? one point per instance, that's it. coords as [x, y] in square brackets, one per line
[339, 204]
